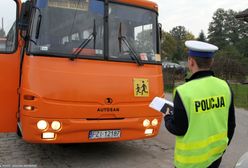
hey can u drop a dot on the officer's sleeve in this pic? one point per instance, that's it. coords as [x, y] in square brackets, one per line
[177, 123]
[231, 119]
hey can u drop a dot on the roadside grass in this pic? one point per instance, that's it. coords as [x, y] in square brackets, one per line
[240, 92]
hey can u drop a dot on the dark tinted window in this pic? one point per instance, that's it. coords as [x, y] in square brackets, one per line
[138, 27]
[66, 25]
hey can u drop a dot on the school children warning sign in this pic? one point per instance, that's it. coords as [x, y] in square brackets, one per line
[141, 87]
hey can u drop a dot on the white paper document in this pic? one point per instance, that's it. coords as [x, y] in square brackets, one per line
[161, 104]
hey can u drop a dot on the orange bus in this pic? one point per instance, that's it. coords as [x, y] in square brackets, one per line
[81, 71]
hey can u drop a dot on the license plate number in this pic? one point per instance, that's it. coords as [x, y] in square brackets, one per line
[103, 134]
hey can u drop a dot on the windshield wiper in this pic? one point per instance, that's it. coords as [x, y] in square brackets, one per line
[134, 55]
[85, 42]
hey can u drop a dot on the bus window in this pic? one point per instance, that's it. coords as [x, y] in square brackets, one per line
[65, 40]
[63, 27]
[143, 36]
[7, 26]
[75, 36]
[11, 39]
[138, 26]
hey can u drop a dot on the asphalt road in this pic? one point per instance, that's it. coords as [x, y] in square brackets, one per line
[239, 144]
[150, 153]
[236, 149]
[132, 154]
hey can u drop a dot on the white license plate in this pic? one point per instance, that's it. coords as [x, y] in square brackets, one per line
[104, 134]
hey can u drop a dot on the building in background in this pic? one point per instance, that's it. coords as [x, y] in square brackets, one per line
[243, 15]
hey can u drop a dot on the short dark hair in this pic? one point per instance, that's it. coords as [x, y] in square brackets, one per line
[202, 62]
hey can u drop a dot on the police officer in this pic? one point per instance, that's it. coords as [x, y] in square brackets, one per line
[203, 119]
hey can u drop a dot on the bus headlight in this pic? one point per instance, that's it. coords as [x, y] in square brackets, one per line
[155, 122]
[146, 123]
[56, 125]
[42, 124]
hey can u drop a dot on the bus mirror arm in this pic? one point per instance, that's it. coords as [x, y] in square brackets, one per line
[37, 32]
[24, 19]
[94, 34]
[160, 30]
[120, 37]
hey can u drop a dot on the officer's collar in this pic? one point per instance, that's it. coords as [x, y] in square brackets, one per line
[200, 74]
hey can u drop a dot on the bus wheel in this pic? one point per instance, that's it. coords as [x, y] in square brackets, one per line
[18, 131]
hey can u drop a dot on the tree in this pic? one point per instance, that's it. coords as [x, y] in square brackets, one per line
[202, 36]
[189, 36]
[227, 64]
[231, 36]
[217, 29]
[225, 29]
[242, 46]
[180, 34]
[144, 40]
[168, 45]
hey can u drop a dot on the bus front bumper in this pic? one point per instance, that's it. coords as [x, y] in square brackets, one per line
[79, 130]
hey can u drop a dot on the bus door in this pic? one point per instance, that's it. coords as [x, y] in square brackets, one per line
[9, 66]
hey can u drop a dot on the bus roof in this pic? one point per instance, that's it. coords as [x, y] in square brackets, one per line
[142, 3]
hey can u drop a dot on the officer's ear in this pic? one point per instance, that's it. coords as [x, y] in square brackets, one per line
[190, 64]
[193, 66]
[191, 61]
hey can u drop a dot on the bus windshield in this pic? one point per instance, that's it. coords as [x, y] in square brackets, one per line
[69, 27]
[60, 27]
[138, 27]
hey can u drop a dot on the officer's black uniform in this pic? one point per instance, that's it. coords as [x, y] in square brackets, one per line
[177, 123]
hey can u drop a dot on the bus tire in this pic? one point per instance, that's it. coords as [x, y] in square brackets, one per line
[18, 131]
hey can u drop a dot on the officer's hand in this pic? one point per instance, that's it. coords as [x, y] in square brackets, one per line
[167, 112]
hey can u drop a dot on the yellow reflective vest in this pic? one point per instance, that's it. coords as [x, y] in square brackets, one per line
[206, 101]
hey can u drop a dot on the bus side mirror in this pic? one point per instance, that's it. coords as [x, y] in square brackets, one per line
[24, 20]
[160, 30]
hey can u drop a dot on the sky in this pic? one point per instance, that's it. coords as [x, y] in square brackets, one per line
[194, 15]
[8, 13]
